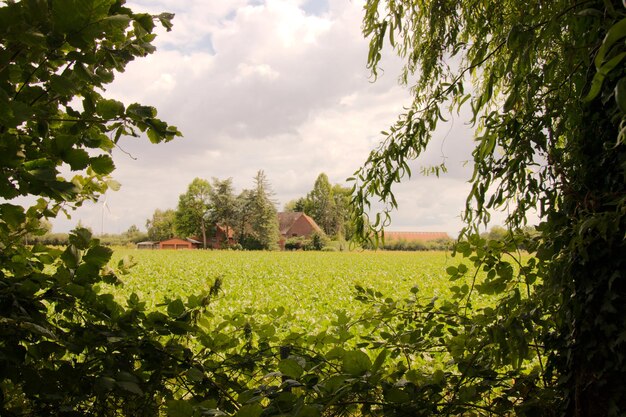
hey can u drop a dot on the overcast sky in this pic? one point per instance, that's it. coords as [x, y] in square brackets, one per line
[277, 85]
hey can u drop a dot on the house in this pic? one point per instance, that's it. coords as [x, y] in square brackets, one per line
[295, 224]
[415, 236]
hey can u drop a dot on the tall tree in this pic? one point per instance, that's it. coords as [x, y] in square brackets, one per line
[343, 216]
[162, 225]
[244, 210]
[223, 204]
[264, 220]
[193, 211]
[322, 202]
[546, 85]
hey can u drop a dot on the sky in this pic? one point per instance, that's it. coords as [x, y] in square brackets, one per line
[274, 85]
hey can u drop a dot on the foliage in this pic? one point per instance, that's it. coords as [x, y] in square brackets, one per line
[263, 218]
[65, 348]
[544, 81]
[411, 245]
[323, 204]
[316, 241]
[328, 205]
[162, 225]
[410, 353]
[192, 213]
[223, 204]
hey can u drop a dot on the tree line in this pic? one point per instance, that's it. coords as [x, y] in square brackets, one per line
[251, 215]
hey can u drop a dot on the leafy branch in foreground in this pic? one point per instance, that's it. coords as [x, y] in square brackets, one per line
[545, 83]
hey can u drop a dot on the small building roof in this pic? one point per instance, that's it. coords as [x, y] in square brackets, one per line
[286, 220]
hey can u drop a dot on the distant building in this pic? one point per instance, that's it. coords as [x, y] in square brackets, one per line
[148, 245]
[295, 224]
[177, 243]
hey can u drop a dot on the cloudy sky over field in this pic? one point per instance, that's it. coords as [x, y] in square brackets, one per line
[278, 85]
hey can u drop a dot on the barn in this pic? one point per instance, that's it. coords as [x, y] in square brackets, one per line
[177, 243]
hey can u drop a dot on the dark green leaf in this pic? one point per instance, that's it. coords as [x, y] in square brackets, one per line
[356, 362]
[102, 164]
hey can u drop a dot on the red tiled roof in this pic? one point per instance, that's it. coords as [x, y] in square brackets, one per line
[296, 223]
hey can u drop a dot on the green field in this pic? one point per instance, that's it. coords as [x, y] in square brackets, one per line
[309, 285]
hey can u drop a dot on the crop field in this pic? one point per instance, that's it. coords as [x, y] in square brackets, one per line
[310, 286]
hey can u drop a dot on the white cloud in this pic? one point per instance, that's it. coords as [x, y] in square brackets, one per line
[267, 85]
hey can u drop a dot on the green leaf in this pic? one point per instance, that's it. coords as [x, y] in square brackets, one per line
[175, 308]
[113, 185]
[77, 159]
[141, 112]
[104, 384]
[250, 410]
[620, 94]
[74, 15]
[600, 75]
[290, 368]
[356, 362]
[130, 387]
[110, 109]
[179, 408]
[102, 164]
[13, 215]
[615, 33]
[98, 256]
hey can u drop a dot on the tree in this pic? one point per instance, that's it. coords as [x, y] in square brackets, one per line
[162, 225]
[66, 348]
[244, 210]
[258, 216]
[343, 216]
[194, 208]
[133, 234]
[298, 205]
[223, 204]
[546, 85]
[322, 203]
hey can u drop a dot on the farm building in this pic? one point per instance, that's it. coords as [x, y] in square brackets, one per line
[177, 243]
[148, 245]
[295, 224]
